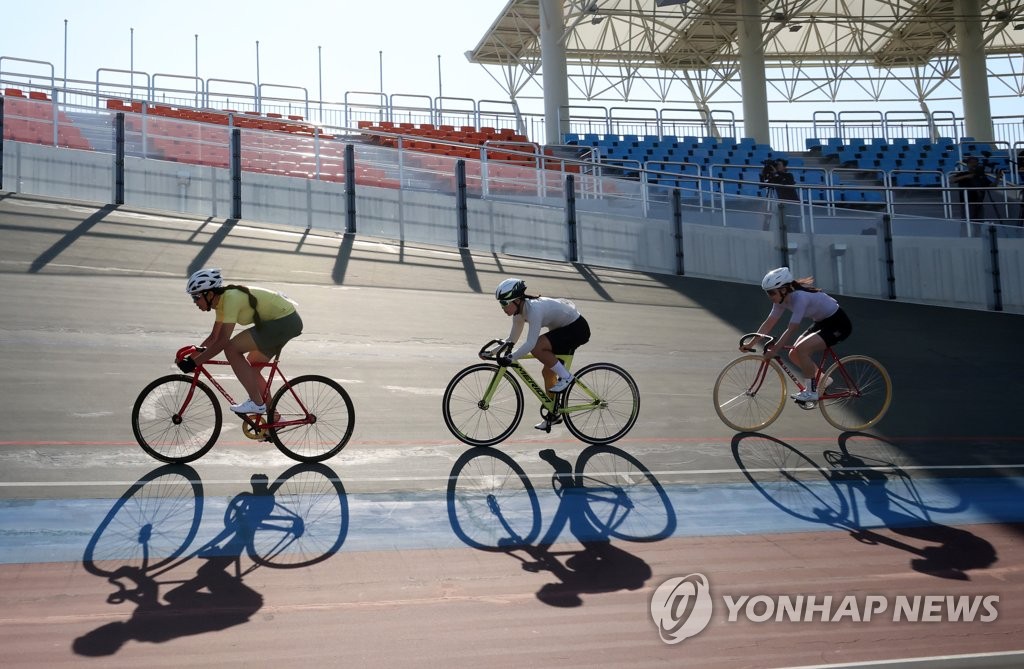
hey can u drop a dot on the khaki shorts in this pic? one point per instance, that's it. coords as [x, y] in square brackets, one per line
[271, 337]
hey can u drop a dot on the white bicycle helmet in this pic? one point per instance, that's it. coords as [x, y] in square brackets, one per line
[510, 289]
[203, 280]
[778, 277]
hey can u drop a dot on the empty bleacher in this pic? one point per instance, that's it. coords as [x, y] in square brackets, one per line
[30, 118]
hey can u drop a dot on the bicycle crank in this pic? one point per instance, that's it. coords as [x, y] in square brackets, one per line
[254, 429]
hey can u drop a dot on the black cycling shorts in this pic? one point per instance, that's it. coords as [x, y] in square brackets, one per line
[271, 336]
[833, 329]
[565, 340]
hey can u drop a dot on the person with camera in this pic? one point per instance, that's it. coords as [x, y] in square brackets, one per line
[780, 186]
[779, 181]
[973, 180]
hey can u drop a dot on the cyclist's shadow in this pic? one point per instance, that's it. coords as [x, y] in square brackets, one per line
[593, 509]
[888, 493]
[954, 552]
[213, 600]
[600, 566]
[216, 597]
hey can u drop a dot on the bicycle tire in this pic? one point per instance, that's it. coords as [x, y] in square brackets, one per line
[308, 523]
[624, 499]
[333, 418]
[742, 410]
[862, 405]
[150, 525]
[164, 434]
[466, 417]
[611, 414]
[492, 505]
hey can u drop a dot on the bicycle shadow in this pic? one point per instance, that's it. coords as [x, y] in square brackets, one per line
[608, 494]
[856, 484]
[296, 520]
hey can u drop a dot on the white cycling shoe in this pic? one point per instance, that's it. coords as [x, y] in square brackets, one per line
[249, 406]
[545, 425]
[560, 385]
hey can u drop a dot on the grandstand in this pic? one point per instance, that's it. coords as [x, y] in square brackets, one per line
[633, 187]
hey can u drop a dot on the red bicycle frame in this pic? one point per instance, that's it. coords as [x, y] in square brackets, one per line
[260, 422]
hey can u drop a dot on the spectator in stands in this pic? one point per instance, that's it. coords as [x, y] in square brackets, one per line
[779, 180]
[973, 181]
[780, 186]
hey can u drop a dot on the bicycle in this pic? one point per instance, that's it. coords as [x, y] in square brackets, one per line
[483, 404]
[177, 418]
[854, 392]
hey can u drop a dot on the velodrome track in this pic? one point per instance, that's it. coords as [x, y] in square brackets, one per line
[92, 304]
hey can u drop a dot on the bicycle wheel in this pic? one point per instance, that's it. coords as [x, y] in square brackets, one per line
[167, 433]
[491, 503]
[305, 521]
[326, 414]
[859, 394]
[743, 403]
[471, 420]
[602, 403]
[152, 523]
[623, 497]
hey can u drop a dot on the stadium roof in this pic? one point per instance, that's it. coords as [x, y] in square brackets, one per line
[694, 35]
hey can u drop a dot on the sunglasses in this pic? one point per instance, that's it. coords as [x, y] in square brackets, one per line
[773, 292]
[505, 303]
[197, 296]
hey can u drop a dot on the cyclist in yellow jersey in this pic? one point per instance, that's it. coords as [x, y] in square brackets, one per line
[274, 319]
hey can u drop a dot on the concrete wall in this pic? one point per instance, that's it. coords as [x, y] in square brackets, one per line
[933, 261]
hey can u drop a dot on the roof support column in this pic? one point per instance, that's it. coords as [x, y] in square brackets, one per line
[553, 69]
[750, 41]
[973, 71]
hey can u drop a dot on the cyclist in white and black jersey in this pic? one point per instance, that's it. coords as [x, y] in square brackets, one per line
[567, 330]
[830, 325]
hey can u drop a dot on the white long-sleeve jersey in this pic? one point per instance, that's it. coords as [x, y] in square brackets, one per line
[540, 312]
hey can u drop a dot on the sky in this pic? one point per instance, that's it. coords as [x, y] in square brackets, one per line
[360, 43]
[342, 46]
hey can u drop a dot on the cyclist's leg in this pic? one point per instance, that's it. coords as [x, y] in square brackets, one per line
[802, 353]
[543, 352]
[828, 332]
[250, 378]
[563, 341]
[263, 344]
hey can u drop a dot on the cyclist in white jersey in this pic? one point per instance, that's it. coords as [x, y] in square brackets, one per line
[830, 325]
[567, 330]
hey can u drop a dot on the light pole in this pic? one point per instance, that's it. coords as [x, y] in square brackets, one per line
[65, 53]
[320, 78]
[131, 64]
[197, 70]
[257, 75]
[440, 93]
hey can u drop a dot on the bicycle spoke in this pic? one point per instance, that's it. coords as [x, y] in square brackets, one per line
[322, 415]
[743, 403]
[602, 404]
[474, 421]
[859, 393]
[165, 430]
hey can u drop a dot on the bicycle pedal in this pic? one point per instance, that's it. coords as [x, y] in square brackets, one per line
[807, 406]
